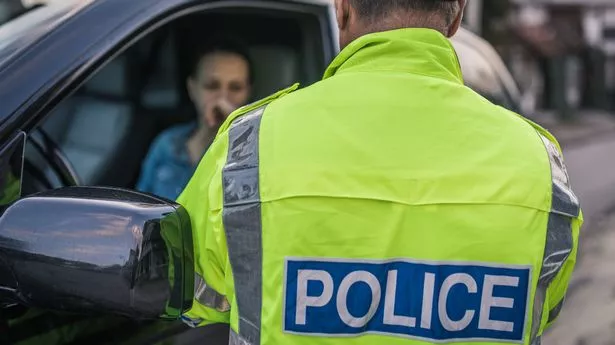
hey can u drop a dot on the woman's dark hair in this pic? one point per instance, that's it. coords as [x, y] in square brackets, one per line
[222, 44]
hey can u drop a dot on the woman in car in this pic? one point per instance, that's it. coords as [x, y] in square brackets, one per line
[219, 83]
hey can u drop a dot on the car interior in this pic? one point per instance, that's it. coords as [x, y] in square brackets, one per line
[106, 126]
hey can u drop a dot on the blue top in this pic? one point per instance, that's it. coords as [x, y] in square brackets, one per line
[167, 168]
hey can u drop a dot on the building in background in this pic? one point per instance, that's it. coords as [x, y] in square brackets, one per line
[608, 37]
[562, 52]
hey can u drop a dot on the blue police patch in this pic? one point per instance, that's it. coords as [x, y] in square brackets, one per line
[434, 301]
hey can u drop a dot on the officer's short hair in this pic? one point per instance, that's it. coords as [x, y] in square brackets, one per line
[379, 8]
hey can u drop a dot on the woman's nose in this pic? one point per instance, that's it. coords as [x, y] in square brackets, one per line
[224, 93]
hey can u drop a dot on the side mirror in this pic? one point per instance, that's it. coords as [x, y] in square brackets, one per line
[88, 249]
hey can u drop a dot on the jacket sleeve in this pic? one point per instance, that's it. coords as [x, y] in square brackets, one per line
[557, 290]
[202, 198]
[558, 287]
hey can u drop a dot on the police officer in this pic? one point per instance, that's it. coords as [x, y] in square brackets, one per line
[386, 204]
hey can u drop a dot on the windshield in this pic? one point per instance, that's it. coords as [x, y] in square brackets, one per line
[21, 31]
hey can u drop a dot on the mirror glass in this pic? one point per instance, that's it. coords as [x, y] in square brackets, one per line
[87, 249]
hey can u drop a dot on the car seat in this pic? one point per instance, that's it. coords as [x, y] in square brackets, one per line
[275, 67]
[90, 125]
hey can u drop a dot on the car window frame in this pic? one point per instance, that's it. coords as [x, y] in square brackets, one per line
[12, 157]
[34, 33]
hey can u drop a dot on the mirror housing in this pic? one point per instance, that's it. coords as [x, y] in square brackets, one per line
[97, 250]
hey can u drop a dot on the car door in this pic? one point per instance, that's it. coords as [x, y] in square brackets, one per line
[101, 66]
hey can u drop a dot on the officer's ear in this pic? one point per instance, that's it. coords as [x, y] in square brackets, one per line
[454, 27]
[342, 10]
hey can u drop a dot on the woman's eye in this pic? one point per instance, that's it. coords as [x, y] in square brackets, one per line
[235, 87]
[212, 86]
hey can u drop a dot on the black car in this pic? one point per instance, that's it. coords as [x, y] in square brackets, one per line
[85, 86]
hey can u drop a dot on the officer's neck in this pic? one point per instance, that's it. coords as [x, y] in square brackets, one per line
[399, 20]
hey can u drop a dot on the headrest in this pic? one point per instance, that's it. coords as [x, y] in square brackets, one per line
[161, 91]
[275, 68]
[111, 80]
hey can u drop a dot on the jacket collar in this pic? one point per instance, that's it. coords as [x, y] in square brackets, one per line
[417, 51]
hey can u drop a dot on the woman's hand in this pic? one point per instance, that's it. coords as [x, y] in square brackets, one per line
[219, 111]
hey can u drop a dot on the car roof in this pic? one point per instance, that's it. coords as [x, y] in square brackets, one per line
[35, 22]
[30, 27]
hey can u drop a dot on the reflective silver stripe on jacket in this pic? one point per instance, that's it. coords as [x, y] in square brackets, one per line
[554, 313]
[242, 221]
[209, 297]
[559, 242]
[236, 339]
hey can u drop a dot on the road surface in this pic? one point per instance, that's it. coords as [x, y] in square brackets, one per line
[588, 317]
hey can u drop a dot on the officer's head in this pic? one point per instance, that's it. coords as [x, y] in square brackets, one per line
[359, 17]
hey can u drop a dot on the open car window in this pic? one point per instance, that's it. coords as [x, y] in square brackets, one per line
[106, 127]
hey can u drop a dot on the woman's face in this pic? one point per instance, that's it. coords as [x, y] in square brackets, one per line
[221, 85]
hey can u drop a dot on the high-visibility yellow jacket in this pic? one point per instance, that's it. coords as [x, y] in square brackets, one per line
[386, 204]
